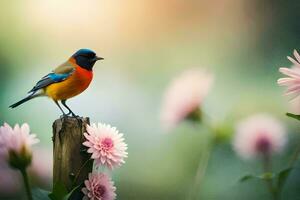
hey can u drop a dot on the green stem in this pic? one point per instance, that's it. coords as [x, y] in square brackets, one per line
[291, 164]
[203, 163]
[202, 166]
[267, 167]
[79, 171]
[26, 183]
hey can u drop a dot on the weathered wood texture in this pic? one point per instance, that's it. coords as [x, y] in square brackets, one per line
[68, 153]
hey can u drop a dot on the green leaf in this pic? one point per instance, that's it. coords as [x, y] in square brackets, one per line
[246, 178]
[267, 176]
[70, 193]
[40, 194]
[293, 116]
[59, 192]
[282, 177]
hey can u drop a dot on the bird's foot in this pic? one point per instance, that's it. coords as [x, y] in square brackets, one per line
[75, 116]
[64, 116]
[71, 114]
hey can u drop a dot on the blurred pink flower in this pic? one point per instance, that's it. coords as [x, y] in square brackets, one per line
[42, 165]
[184, 96]
[18, 141]
[259, 134]
[99, 187]
[106, 145]
[293, 80]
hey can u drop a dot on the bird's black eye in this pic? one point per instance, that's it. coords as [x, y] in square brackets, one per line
[88, 56]
[91, 55]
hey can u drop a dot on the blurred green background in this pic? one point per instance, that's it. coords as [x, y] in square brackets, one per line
[145, 44]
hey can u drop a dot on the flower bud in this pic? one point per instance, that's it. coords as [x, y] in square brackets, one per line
[19, 160]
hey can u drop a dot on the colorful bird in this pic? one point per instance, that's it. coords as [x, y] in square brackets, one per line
[66, 81]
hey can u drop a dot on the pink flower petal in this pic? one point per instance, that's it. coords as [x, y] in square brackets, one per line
[100, 187]
[105, 144]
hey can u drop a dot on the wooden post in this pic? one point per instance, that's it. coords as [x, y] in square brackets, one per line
[71, 166]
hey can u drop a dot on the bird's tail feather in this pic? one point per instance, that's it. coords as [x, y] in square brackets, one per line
[27, 98]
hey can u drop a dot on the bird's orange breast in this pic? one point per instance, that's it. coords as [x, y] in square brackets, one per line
[72, 86]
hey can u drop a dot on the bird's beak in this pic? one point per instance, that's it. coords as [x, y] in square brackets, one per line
[98, 58]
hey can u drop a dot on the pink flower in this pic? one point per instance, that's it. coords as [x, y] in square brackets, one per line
[99, 187]
[106, 145]
[15, 144]
[259, 134]
[184, 96]
[293, 80]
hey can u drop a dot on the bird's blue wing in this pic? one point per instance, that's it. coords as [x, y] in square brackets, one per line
[58, 77]
[51, 78]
